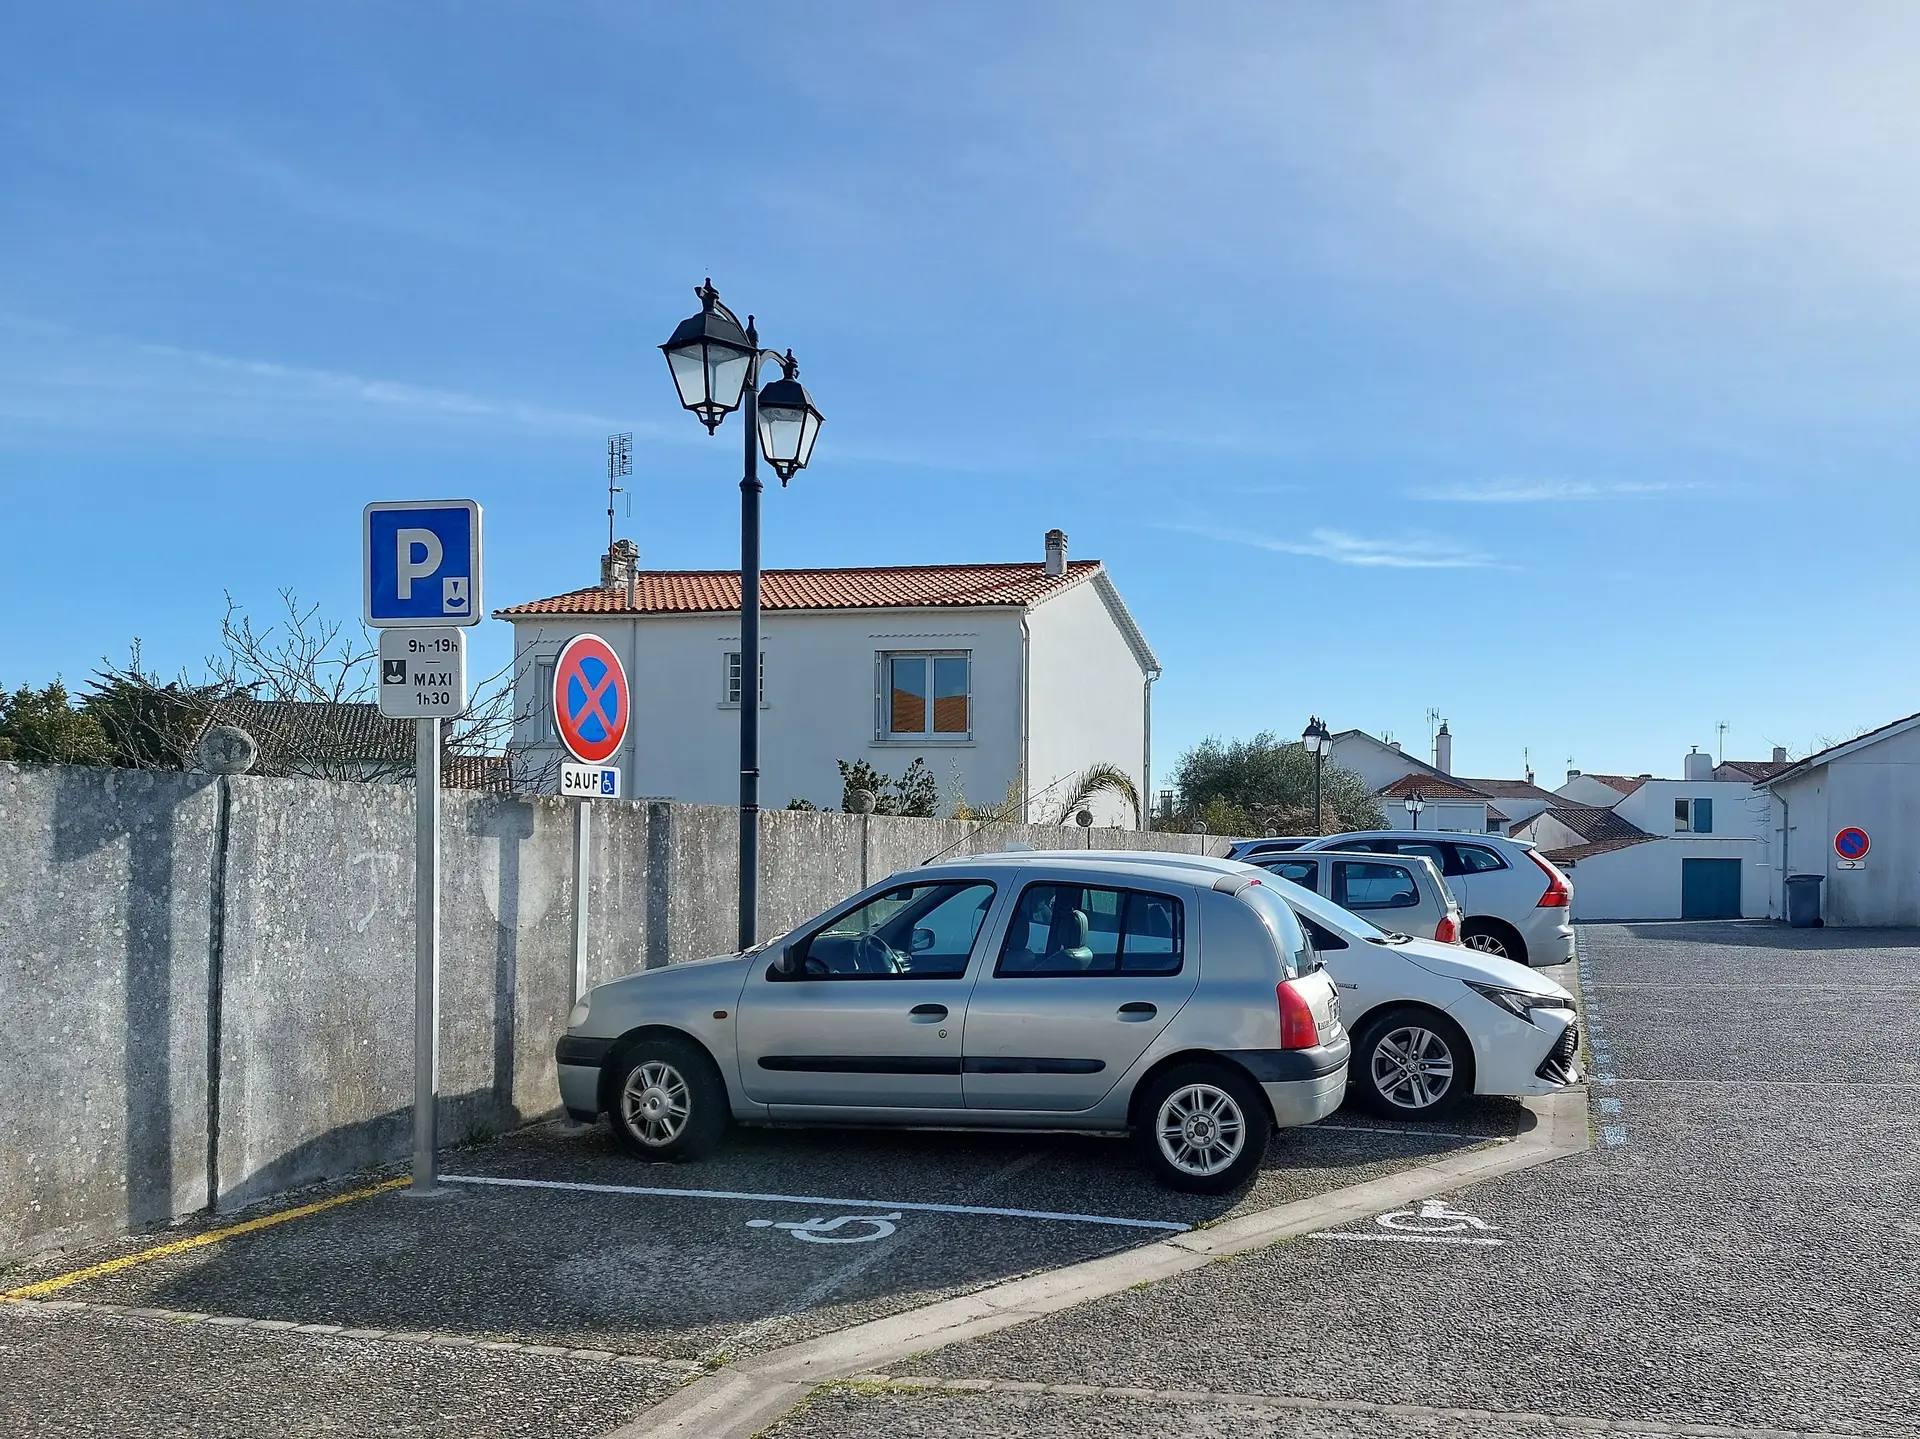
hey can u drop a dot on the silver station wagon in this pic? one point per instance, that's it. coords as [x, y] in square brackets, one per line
[1079, 991]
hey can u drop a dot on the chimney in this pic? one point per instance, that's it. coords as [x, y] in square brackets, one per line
[1393, 743]
[1572, 775]
[1698, 766]
[1056, 552]
[1779, 754]
[619, 565]
[1443, 749]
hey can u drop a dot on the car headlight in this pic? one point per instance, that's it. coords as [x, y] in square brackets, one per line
[579, 1015]
[1518, 1002]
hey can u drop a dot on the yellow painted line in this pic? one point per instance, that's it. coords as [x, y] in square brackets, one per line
[41, 1288]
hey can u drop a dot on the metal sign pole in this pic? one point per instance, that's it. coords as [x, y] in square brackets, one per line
[426, 955]
[582, 849]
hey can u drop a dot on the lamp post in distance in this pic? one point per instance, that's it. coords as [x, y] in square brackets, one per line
[1316, 738]
[1415, 803]
[715, 363]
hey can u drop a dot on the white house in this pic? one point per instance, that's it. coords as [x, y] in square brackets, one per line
[1638, 847]
[1871, 783]
[1472, 806]
[988, 672]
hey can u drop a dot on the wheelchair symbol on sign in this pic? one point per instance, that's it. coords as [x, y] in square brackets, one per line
[1434, 1218]
[821, 1230]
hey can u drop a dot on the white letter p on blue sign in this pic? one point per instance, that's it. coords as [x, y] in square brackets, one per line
[421, 562]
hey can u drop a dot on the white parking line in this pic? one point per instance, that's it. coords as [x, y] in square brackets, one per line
[1389, 1129]
[1164, 1224]
[1481, 1239]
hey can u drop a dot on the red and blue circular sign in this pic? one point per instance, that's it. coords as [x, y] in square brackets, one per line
[590, 699]
[1852, 843]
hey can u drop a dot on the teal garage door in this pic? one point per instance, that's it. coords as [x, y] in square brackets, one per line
[1709, 889]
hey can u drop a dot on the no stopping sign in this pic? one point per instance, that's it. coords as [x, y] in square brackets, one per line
[590, 699]
[1852, 843]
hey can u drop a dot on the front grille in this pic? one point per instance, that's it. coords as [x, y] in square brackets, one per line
[1558, 1067]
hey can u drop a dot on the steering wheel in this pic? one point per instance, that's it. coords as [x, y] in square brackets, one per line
[876, 956]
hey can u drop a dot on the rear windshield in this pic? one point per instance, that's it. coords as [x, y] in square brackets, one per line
[1296, 954]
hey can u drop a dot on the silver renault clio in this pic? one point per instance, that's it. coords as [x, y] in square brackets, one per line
[1067, 991]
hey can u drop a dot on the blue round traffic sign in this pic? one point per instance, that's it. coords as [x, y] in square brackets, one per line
[1852, 843]
[590, 699]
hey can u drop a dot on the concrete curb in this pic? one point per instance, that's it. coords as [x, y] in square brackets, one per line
[737, 1401]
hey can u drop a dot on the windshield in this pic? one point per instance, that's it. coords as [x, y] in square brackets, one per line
[1329, 913]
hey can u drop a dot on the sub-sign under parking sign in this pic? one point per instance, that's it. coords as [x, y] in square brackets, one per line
[421, 562]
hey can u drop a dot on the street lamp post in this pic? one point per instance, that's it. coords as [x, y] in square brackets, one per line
[1315, 738]
[715, 362]
[1415, 803]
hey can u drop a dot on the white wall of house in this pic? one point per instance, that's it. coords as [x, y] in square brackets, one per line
[1087, 697]
[1643, 881]
[1377, 764]
[820, 706]
[1876, 787]
[1737, 809]
[1460, 816]
[1518, 811]
[1585, 789]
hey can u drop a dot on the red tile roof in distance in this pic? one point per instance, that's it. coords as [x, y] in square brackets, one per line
[1430, 787]
[698, 592]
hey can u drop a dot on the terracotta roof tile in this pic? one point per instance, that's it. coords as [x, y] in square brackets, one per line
[1513, 789]
[1625, 783]
[1753, 769]
[1593, 823]
[1574, 852]
[1431, 787]
[883, 587]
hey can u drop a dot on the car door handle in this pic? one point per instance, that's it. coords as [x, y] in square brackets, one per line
[1138, 1011]
[927, 1013]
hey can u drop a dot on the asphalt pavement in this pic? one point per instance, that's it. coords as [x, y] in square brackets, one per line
[1739, 1252]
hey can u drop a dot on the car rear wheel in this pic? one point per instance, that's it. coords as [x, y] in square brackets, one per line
[1203, 1128]
[667, 1100]
[1491, 939]
[1411, 1064]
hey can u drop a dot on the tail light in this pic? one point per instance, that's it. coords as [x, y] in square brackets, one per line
[1447, 931]
[1559, 888]
[1298, 1028]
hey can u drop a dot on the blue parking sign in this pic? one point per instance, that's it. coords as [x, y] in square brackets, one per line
[421, 562]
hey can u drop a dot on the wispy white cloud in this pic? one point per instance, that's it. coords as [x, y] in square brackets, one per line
[1400, 552]
[1527, 492]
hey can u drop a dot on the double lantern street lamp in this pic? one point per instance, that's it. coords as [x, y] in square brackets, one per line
[1317, 739]
[1415, 803]
[716, 365]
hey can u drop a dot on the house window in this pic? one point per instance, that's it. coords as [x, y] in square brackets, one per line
[733, 677]
[1693, 816]
[542, 703]
[926, 695]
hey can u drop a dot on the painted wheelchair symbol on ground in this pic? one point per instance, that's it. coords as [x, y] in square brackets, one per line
[1434, 1222]
[821, 1230]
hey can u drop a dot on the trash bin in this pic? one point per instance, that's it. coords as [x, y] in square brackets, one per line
[1803, 901]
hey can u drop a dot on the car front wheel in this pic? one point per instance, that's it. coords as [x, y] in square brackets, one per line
[1203, 1128]
[1411, 1064]
[667, 1100]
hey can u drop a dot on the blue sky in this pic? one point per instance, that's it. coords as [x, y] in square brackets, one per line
[1553, 367]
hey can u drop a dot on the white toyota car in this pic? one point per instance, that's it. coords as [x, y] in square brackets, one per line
[1431, 1023]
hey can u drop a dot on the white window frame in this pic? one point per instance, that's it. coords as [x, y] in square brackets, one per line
[730, 679]
[883, 730]
[543, 670]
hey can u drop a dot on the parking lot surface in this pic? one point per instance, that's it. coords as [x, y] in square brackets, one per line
[1739, 1251]
[561, 1286]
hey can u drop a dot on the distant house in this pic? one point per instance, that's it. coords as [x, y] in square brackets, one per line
[324, 740]
[1018, 674]
[1641, 847]
[1451, 802]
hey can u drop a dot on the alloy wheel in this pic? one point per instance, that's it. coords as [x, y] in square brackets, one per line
[1486, 943]
[1201, 1129]
[1412, 1067]
[655, 1105]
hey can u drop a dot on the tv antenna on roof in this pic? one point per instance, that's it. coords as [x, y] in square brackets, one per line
[619, 466]
[1722, 728]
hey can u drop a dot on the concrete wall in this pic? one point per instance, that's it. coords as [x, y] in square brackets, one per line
[112, 967]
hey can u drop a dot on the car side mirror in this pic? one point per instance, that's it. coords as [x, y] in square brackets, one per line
[923, 940]
[789, 963]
